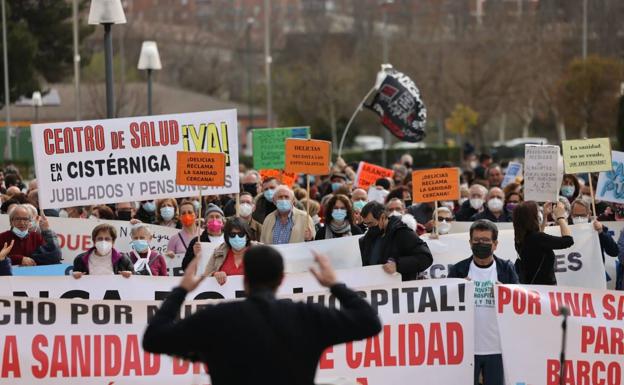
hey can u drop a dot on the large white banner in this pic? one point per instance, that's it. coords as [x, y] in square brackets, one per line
[128, 159]
[580, 265]
[531, 334]
[427, 335]
[75, 235]
[142, 288]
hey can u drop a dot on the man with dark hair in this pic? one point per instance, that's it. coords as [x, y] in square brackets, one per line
[261, 339]
[485, 160]
[391, 243]
[485, 270]
[264, 202]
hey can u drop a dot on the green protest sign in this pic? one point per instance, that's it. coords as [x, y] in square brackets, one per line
[268, 145]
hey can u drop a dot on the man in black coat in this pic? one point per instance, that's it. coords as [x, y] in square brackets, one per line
[391, 243]
[484, 269]
[260, 340]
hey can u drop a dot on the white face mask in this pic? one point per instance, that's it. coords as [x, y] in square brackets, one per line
[395, 213]
[579, 220]
[63, 214]
[316, 219]
[103, 247]
[444, 227]
[245, 209]
[495, 204]
[476, 203]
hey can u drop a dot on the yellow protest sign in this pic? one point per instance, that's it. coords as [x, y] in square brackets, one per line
[586, 155]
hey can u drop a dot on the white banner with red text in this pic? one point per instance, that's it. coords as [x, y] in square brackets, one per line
[427, 334]
[530, 328]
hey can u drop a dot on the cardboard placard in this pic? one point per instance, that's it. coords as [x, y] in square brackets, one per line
[368, 173]
[287, 178]
[310, 157]
[610, 186]
[514, 170]
[436, 184]
[586, 155]
[200, 169]
[268, 145]
[543, 173]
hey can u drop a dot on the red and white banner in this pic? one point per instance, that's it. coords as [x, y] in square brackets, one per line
[427, 335]
[530, 329]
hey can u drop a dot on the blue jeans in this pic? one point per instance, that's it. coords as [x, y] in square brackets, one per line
[491, 366]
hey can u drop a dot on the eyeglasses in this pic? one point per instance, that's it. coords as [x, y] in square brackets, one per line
[20, 219]
[232, 235]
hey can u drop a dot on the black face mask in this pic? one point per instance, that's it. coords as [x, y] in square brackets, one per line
[373, 231]
[124, 215]
[251, 188]
[481, 250]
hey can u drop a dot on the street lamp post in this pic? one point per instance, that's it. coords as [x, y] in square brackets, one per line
[250, 23]
[37, 101]
[268, 60]
[385, 58]
[107, 13]
[8, 153]
[149, 60]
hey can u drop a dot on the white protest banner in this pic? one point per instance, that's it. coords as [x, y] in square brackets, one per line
[74, 235]
[580, 265]
[464, 227]
[427, 334]
[343, 253]
[610, 186]
[128, 159]
[514, 170]
[142, 288]
[543, 173]
[530, 331]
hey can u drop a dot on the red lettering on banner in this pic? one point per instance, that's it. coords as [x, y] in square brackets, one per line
[372, 353]
[435, 350]
[97, 355]
[523, 301]
[10, 358]
[132, 360]
[145, 134]
[80, 242]
[112, 356]
[151, 364]
[59, 358]
[389, 359]
[38, 342]
[180, 366]
[80, 357]
[454, 343]
[580, 304]
[354, 359]
[362, 380]
[401, 345]
[416, 347]
[70, 139]
[605, 341]
[612, 310]
[584, 373]
[327, 362]
[47, 138]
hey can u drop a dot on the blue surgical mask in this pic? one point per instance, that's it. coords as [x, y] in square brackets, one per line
[150, 207]
[20, 233]
[167, 213]
[339, 214]
[238, 242]
[335, 185]
[359, 205]
[268, 194]
[196, 205]
[284, 205]
[567, 191]
[140, 245]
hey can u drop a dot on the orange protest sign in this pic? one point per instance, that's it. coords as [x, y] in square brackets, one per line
[287, 178]
[200, 169]
[437, 184]
[368, 173]
[308, 156]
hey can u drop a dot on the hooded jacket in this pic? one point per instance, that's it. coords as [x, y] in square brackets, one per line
[120, 262]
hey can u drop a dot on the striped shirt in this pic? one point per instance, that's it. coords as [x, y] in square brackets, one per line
[281, 231]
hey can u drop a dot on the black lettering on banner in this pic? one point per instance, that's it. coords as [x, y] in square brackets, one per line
[151, 311]
[320, 300]
[5, 319]
[112, 294]
[23, 308]
[378, 297]
[161, 295]
[461, 289]
[124, 311]
[77, 309]
[575, 261]
[395, 301]
[100, 314]
[427, 300]
[209, 295]
[76, 294]
[410, 291]
[444, 306]
[560, 263]
[239, 294]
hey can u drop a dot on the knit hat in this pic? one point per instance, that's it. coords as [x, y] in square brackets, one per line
[212, 208]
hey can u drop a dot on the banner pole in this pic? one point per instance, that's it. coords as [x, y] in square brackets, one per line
[237, 204]
[591, 191]
[308, 190]
[201, 204]
[357, 110]
[435, 215]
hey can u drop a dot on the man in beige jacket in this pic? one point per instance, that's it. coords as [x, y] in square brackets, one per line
[287, 224]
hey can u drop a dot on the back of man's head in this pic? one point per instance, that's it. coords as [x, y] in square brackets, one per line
[264, 268]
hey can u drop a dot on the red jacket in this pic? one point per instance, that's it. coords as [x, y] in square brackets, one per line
[23, 247]
[158, 265]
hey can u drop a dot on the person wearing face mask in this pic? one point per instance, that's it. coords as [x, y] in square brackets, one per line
[146, 261]
[494, 209]
[103, 258]
[536, 259]
[391, 243]
[125, 211]
[570, 187]
[486, 270]
[178, 244]
[167, 213]
[287, 224]
[473, 205]
[146, 212]
[264, 202]
[227, 259]
[246, 208]
[512, 199]
[313, 208]
[359, 199]
[445, 217]
[339, 219]
[213, 234]
[580, 213]
[30, 247]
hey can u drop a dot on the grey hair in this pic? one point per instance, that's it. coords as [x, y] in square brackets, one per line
[286, 188]
[566, 204]
[140, 226]
[12, 213]
[582, 202]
